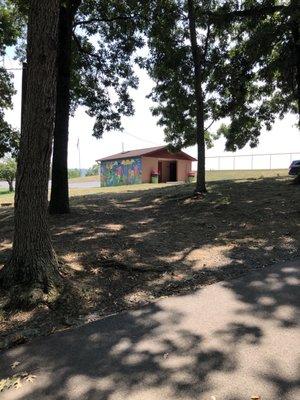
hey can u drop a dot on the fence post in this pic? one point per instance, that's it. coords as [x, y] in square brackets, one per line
[219, 163]
[270, 161]
[252, 161]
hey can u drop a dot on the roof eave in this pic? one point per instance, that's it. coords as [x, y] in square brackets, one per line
[147, 154]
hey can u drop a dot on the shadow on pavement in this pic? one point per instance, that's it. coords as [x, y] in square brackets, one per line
[229, 340]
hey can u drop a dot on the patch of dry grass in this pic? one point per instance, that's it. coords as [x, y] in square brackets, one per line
[6, 196]
[245, 174]
[91, 178]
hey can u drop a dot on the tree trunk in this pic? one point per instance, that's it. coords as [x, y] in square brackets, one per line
[33, 261]
[200, 134]
[59, 201]
[295, 23]
[10, 186]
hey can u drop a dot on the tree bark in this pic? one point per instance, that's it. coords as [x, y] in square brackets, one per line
[59, 200]
[33, 260]
[295, 23]
[200, 134]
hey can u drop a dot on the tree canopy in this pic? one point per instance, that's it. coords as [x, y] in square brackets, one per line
[250, 66]
[106, 35]
[260, 82]
[94, 170]
[186, 56]
[249, 56]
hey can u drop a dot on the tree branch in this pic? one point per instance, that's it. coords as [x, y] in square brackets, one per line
[83, 50]
[214, 15]
[117, 18]
[207, 128]
[77, 41]
[251, 12]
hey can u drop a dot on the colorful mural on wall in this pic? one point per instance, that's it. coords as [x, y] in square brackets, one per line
[121, 172]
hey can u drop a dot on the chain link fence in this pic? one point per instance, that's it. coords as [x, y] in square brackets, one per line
[251, 161]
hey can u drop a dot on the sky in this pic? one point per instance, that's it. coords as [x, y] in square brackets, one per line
[141, 131]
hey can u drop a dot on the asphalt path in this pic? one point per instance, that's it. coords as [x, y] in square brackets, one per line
[226, 341]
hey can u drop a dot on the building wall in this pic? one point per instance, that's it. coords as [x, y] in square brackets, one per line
[149, 164]
[121, 172]
[183, 168]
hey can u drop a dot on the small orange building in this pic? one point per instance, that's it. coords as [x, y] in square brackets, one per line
[136, 166]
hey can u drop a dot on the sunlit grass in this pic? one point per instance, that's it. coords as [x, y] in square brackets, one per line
[6, 196]
[85, 179]
[245, 174]
[211, 176]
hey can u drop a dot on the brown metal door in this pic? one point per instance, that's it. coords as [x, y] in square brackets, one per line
[173, 171]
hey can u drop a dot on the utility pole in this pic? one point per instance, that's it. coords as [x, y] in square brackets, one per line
[79, 161]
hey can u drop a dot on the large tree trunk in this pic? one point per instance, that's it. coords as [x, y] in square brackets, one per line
[59, 201]
[33, 261]
[196, 52]
[295, 23]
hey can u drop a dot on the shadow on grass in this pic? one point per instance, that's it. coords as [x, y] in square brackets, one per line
[183, 243]
[110, 241]
[4, 192]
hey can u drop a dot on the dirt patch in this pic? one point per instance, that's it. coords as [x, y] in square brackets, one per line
[121, 250]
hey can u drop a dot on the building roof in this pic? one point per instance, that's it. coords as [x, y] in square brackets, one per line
[148, 152]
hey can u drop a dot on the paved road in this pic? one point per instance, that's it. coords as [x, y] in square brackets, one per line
[230, 340]
[74, 185]
[84, 185]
